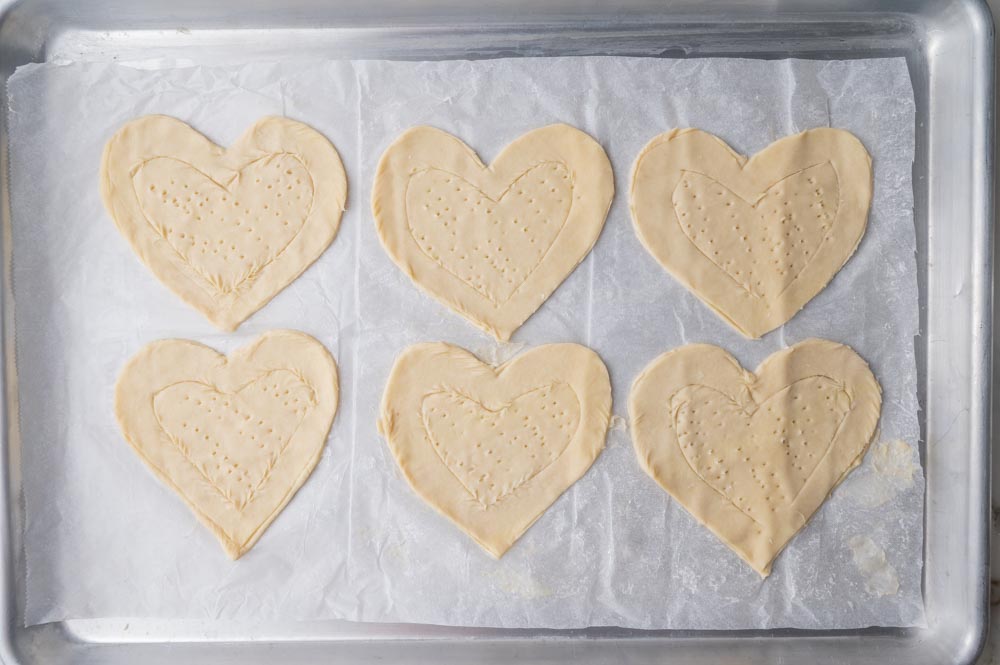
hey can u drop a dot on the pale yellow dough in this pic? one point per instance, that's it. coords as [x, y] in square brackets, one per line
[225, 230]
[492, 242]
[235, 437]
[492, 448]
[752, 457]
[757, 238]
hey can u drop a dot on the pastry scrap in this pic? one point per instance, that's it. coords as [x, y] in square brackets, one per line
[755, 239]
[235, 437]
[491, 448]
[753, 456]
[224, 229]
[491, 242]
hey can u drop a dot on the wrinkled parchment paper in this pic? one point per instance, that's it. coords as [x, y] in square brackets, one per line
[103, 538]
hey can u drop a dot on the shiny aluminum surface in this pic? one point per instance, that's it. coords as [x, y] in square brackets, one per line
[949, 47]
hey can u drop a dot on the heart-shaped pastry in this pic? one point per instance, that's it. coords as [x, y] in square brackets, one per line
[492, 242]
[492, 448]
[224, 229]
[235, 437]
[752, 457]
[755, 239]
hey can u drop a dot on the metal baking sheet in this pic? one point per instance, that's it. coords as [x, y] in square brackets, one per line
[954, 290]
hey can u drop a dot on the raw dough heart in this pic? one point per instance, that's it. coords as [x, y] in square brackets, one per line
[234, 437]
[224, 229]
[492, 242]
[753, 457]
[754, 239]
[492, 448]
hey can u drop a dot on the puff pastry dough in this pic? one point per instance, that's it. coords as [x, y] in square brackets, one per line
[225, 229]
[234, 437]
[753, 456]
[755, 239]
[492, 448]
[492, 242]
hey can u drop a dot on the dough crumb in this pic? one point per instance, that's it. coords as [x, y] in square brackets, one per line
[879, 576]
[894, 459]
[893, 470]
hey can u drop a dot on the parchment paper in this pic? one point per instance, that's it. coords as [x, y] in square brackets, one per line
[103, 538]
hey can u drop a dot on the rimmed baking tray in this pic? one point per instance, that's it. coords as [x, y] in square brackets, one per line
[949, 49]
